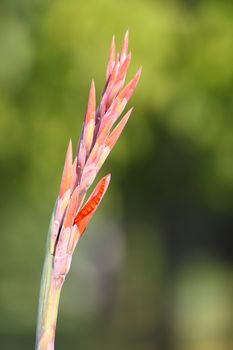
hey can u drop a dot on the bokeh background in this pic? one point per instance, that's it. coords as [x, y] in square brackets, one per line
[154, 270]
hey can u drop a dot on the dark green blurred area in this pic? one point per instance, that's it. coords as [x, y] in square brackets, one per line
[155, 268]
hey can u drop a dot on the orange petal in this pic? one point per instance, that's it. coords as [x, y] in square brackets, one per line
[86, 213]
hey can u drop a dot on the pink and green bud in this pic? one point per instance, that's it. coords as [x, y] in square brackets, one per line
[72, 214]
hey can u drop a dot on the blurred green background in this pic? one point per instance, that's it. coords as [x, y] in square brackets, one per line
[154, 270]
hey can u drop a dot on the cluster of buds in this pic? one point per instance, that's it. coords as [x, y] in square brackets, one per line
[99, 135]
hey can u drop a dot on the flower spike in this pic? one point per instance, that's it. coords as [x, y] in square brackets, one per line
[72, 214]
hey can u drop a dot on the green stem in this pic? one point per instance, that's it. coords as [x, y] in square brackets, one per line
[48, 306]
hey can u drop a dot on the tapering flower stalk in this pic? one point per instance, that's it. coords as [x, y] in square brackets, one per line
[71, 215]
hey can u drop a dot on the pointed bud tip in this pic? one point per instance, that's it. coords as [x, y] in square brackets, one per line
[70, 143]
[67, 170]
[106, 181]
[107, 178]
[139, 71]
[113, 47]
[126, 34]
[127, 114]
[130, 110]
[92, 88]
[69, 154]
